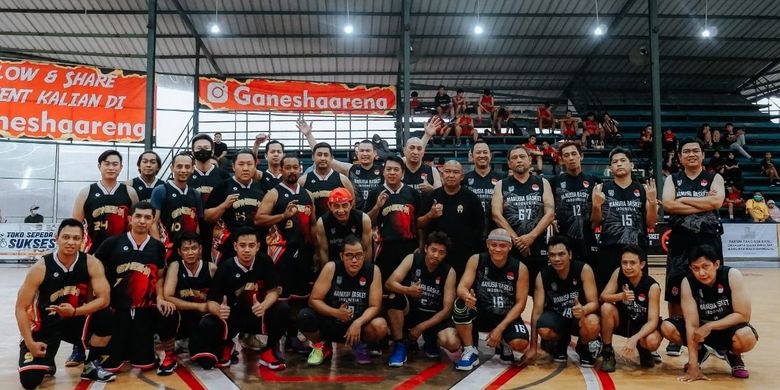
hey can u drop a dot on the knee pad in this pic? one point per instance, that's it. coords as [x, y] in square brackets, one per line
[31, 379]
[461, 314]
[397, 301]
[307, 320]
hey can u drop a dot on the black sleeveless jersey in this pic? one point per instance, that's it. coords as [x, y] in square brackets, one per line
[106, 213]
[239, 284]
[483, 187]
[180, 210]
[623, 215]
[432, 283]
[193, 288]
[713, 302]
[242, 212]
[397, 220]
[60, 285]
[706, 222]
[636, 309]
[524, 207]
[559, 294]
[350, 290]
[414, 179]
[269, 181]
[320, 190]
[495, 287]
[573, 204]
[364, 181]
[131, 270]
[336, 231]
[145, 192]
[204, 182]
[296, 231]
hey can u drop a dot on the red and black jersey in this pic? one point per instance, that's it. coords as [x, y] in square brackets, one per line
[242, 212]
[320, 188]
[60, 285]
[193, 287]
[295, 231]
[204, 182]
[131, 270]
[106, 213]
[397, 220]
[179, 209]
[239, 284]
[143, 190]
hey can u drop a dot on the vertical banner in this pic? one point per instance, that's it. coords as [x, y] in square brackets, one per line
[750, 241]
[43, 100]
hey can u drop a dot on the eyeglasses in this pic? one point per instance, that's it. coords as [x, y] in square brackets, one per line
[351, 256]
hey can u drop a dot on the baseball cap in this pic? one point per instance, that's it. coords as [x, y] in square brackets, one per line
[34, 207]
[340, 195]
[770, 201]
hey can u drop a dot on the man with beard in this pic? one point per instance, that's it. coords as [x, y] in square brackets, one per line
[523, 205]
[323, 179]
[572, 189]
[482, 181]
[149, 165]
[417, 175]
[177, 206]
[692, 198]
[365, 175]
[624, 209]
[341, 221]
[205, 177]
[456, 212]
[57, 288]
[236, 200]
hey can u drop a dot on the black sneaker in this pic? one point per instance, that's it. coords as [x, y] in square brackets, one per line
[94, 372]
[586, 356]
[645, 357]
[673, 349]
[559, 353]
[505, 354]
[51, 370]
[704, 353]
[608, 361]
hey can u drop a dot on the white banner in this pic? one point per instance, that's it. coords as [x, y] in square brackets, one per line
[26, 240]
[750, 241]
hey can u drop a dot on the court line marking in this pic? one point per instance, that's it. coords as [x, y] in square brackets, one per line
[486, 373]
[556, 372]
[211, 379]
[591, 380]
[189, 378]
[422, 377]
[505, 377]
[272, 376]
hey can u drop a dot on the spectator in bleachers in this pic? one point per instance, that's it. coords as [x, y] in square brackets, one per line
[443, 103]
[769, 170]
[671, 163]
[716, 163]
[545, 118]
[736, 140]
[486, 104]
[592, 132]
[443, 128]
[534, 153]
[551, 155]
[733, 200]
[669, 140]
[610, 126]
[414, 102]
[710, 137]
[732, 172]
[756, 207]
[460, 102]
[500, 118]
[220, 150]
[568, 125]
[464, 127]
[646, 139]
[381, 147]
[774, 212]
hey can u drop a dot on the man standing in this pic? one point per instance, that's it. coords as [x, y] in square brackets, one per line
[205, 177]
[323, 179]
[417, 175]
[456, 212]
[57, 287]
[692, 198]
[177, 206]
[624, 209]
[220, 150]
[149, 165]
[523, 205]
[274, 151]
[34, 217]
[341, 221]
[482, 181]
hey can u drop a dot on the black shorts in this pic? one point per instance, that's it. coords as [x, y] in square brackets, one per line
[132, 338]
[70, 331]
[681, 243]
[559, 324]
[296, 272]
[178, 325]
[334, 330]
[628, 327]
[486, 322]
[416, 316]
[717, 339]
[390, 255]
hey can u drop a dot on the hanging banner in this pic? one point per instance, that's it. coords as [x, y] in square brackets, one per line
[42, 100]
[750, 241]
[26, 240]
[299, 96]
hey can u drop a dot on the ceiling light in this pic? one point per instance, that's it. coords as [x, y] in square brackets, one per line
[600, 30]
[349, 29]
[478, 29]
[214, 28]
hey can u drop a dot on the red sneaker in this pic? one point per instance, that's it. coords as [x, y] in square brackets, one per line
[269, 358]
[168, 365]
[227, 355]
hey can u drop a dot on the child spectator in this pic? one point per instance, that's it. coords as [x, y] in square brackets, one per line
[500, 118]
[568, 125]
[610, 127]
[769, 170]
[443, 103]
[544, 118]
[774, 212]
[460, 102]
[717, 163]
[534, 152]
[464, 127]
[670, 140]
[414, 102]
[646, 139]
[592, 133]
[486, 104]
[706, 136]
[733, 200]
[550, 154]
[732, 172]
[757, 208]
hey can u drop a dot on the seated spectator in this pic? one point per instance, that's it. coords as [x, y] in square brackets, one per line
[717, 163]
[550, 154]
[486, 104]
[464, 127]
[736, 141]
[592, 132]
[732, 172]
[443, 128]
[500, 118]
[669, 140]
[414, 102]
[611, 130]
[443, 103]
[460, 102]
[769, 170]
[544, 117]
[671, 163]
[646, 139]
[568, 125]
[707, 135]
[534, 152]
[381, 147]
[774, 212]
[757, 208]
[733, 200]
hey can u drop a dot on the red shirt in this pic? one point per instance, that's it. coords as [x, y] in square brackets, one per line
[414, 103]
[465, 121]
[544, 112]
[668, 137]
[486, 101]
[551, 152]
[531, 146]
[459, 100]
[591, 126]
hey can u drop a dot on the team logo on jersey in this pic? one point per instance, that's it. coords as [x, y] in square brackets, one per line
[438, 280]
[611, 192]
[510, 275]
[704, 182]
[511, 188]
[357, 171]
[574, 282]
[286, 195]
[56, 275]
[563, 185]
[313, 181]
[554, 286]
[460, 209]
[641, 297]
[354, 229]
[376, 171]
[338, 280]
[636, 192]
[471, 181]
[332, 230]
[362, 281]
[97, 195]
[675, 290]
[679, 182]
[535, 187]
[235, 188]
[720, 288]
[140, 188]
[238, 276]
[586, 183]
[417, 272]
[125, 248]
[173, 195]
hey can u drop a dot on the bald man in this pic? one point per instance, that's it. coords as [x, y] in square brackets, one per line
[457, 212]
[416, 174]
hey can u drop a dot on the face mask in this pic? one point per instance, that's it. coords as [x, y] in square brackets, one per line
[202, 155]
[757, 198]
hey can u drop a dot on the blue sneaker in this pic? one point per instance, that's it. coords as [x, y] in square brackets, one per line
[468, 359]
[77, 357]
[398, 357]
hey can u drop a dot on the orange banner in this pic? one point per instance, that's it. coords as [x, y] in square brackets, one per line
[42, 100]
[299, 96]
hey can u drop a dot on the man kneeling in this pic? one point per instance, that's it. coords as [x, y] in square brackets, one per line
[716, 308]
[424, 288]
[343, 306]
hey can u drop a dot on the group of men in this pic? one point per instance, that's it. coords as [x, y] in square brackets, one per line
[354, 253]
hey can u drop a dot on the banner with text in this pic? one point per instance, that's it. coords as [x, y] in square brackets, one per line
[26, 240]
[750, 241]
[42, 100]
[300, 96]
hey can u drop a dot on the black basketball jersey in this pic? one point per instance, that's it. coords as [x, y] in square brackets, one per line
[350, 290]
[195, 287]
[204, 182]
[60, 285]
[706, 222]
[414, 179]
[180, 210]
[432, 283]
[144, 191]
[713, 302]
[131, 270]
[336, 231]
[106, 213]
[483, 187]
[623, 215]
[296, 231]
[636, 309]
[320, 189]
[269, 181]
[397, 220]
[524, 207]
[242, 212]
[495, 287]
[573, 204]
[559, 294]
[240, 284]
[364, 181]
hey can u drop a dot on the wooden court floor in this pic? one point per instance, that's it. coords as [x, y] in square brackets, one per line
[423, 373]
